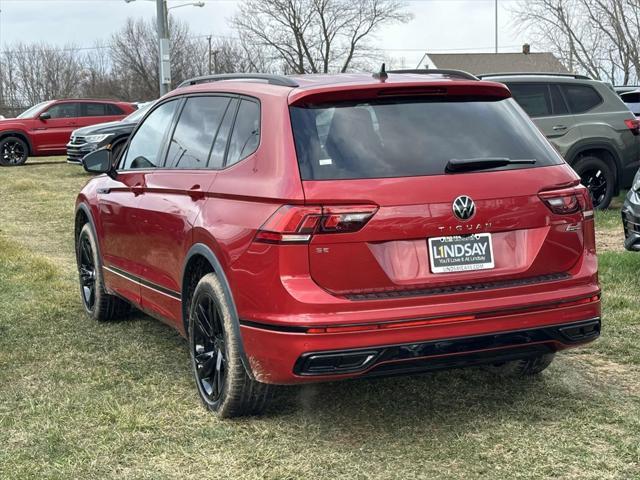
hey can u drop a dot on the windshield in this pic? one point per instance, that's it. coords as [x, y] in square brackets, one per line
[412, 137]
[31, 112]
[139, 113]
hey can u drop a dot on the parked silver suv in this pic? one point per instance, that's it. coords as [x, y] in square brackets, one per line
[588, 124]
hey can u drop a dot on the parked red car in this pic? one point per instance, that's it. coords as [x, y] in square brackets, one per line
[306, 229]
[45, 128]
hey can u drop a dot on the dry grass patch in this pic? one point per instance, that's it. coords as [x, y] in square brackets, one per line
[84, 400]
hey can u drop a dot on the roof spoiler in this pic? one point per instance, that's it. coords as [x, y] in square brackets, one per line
[437, 71]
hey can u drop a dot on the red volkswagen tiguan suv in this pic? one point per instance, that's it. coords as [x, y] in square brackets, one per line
[315, 228]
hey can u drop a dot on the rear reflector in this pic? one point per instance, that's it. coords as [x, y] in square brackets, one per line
[386, 326]
[297, 224]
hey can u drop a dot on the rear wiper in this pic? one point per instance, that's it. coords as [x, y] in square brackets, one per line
[457, 165]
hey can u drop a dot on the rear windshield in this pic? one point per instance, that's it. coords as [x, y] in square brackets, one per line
[411, 137]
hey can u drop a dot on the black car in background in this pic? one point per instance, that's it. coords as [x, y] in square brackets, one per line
[87, 139]
[631, 216]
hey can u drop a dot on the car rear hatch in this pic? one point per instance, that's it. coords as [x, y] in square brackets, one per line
[418, 193]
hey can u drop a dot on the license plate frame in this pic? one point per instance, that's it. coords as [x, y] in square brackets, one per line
[457, 258]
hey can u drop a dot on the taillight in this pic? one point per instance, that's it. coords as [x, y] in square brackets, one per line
[297, 224]
[633, 124]
[567, 201]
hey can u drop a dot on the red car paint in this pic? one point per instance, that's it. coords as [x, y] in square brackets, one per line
[296, 298]
[50, 136]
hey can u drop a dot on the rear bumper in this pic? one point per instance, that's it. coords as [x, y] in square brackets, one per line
[447, 353]
[280, 356]
[631, 221]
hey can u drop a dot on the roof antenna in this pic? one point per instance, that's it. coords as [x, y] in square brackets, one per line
[381, 75]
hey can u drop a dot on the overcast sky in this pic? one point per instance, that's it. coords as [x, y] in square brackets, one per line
[438, 25]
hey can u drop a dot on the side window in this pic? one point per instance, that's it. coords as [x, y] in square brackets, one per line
[532, 97]
[147, 145]
[220, 145]
[113, 109]
[65, 110]
[581, 98]
[196, 131]
[93, 110]
[246, 132]
[559, 105]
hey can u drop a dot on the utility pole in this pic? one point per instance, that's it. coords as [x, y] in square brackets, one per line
[209, 38]
[496, 11]
[163, 47]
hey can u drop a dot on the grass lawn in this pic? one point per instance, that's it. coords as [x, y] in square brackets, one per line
[85, 400]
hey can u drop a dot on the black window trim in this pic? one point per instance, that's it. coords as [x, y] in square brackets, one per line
[562, 96]
[174, 122]
[226, 146]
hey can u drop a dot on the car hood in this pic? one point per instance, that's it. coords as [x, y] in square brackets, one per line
[109, 127]
[11, 122]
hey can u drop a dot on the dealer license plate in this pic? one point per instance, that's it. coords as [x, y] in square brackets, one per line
[461, 254]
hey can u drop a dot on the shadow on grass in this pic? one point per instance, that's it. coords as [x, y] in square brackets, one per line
[446, 398]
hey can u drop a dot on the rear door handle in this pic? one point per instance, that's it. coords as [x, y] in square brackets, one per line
[559, 128]
[196, 193]
[137, 189]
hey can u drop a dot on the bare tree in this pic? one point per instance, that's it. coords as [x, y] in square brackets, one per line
[134, 57]
[315, 36]
[596, 37]
[32, 73]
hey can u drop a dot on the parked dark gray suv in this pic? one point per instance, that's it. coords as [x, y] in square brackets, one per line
[587, 122]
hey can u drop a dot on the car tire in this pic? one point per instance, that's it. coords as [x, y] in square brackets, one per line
[96, 301]
[13, 151]
[215, 349]
[524, 367]
[598, 177]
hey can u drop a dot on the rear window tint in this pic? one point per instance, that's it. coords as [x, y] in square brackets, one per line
[113, 109]
[246, 132]
[411, 137]
[195, 132]
[533, 98]
[581, 98]
[94, 109]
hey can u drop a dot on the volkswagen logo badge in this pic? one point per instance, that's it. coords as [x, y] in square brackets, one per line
[463, 207]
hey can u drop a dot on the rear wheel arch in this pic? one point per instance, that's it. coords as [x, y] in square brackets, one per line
[602, 150]
[199, 261]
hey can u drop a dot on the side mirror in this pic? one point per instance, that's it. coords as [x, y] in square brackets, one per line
[45, 116]
[100, 161]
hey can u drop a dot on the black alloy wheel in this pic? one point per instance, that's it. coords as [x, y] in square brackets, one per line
[599, 178]
[87, 271]
[209, 349]
[13, 152]
[596, 183]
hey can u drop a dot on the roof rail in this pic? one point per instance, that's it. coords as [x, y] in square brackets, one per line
[280, 80]
[436, 71]
[541, 74]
